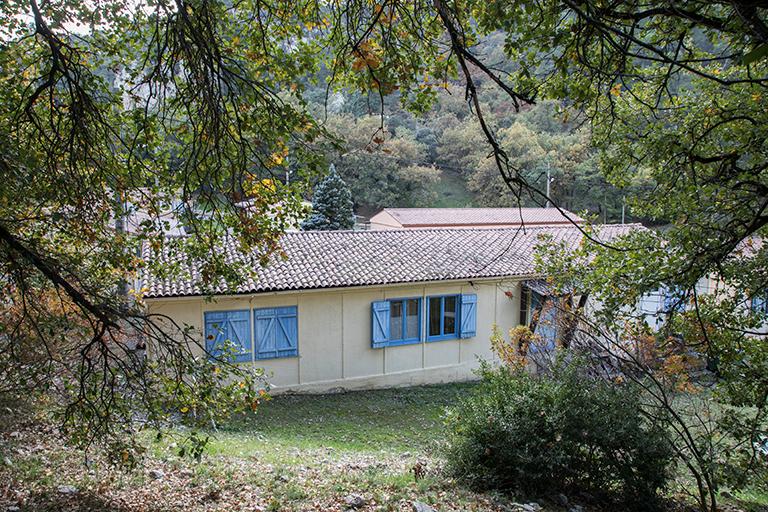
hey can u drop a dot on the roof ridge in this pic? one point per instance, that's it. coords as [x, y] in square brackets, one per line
[466, 229]
[470, 208]
[382, 232]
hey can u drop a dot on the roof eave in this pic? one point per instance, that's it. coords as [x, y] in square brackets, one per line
[508, 277]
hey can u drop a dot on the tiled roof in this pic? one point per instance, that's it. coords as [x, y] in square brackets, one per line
[332, 259]
[435, 217]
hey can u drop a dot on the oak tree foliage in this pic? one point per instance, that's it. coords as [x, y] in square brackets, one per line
[188, 106]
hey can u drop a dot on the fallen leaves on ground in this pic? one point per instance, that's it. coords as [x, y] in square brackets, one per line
[39, 472]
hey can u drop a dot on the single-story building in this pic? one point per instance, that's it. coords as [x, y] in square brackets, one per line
[363, 309]
[428, 218]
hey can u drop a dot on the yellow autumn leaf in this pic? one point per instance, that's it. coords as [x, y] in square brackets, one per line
[358, 64]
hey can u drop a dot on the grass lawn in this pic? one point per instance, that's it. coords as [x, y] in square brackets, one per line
[391, 421]
[297, 453]
[300, 453]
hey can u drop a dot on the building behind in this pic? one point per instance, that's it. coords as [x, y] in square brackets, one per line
[427, 218]
[364, 309]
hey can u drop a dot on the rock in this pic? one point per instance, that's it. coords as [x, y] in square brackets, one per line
[726, 495]
[418, 506]
[527, 507]
[561, 499]
[213, 495]
[354, 501]
[156, 474]
[576, 508]
[67, 489]
[12, 508]
[187, 473]
[7, 462]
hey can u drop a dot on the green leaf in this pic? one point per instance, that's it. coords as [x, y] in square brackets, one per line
[755, 55]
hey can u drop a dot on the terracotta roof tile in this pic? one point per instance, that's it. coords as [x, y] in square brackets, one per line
[435, 217]
[331, 259]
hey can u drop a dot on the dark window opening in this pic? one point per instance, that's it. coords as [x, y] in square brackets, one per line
[443, 317]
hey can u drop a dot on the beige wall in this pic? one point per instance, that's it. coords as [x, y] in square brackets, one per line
[335, 335]
[383, 221]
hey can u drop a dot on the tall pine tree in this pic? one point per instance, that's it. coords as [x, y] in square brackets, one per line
[331, 205]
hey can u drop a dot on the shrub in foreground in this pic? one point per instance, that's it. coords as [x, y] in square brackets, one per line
[560, 433]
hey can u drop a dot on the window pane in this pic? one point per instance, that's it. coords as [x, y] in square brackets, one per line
[434, 316]
[412, 318]
[396, 320]
[449, 324]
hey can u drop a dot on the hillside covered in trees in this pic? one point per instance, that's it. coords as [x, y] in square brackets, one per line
[392, 157]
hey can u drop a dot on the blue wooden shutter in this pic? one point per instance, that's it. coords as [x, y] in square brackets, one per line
[380, 323]
[240, 333]
[215, 331]
[277, 332]
[546, 327]
[228, 326]
[468, 315]
[264, 333]
[287, 331]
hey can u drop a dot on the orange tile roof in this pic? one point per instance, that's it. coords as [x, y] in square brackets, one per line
[477, 217]
[333, 259]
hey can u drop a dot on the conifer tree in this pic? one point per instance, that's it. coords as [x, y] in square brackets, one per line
[332, 207]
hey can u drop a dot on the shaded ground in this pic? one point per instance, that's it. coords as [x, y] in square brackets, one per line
[301, 453]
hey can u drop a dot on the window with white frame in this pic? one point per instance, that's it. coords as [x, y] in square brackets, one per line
[442, 317]
[404, 321]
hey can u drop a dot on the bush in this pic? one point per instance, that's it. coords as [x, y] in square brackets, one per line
[560, 433]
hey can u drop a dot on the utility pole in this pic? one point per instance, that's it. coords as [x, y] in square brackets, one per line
[287, 173]
[549, 180]
[623, 206]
